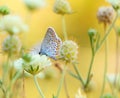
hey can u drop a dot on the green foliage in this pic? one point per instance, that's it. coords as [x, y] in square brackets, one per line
[4, 10]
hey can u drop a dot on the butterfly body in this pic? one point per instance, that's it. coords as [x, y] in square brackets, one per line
[50, 45]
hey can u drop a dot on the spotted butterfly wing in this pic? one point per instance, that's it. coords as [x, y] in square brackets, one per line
[51, 44]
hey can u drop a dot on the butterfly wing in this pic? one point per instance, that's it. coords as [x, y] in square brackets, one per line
[51, 44]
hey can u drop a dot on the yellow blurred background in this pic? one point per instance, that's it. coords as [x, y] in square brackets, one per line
[77, 27]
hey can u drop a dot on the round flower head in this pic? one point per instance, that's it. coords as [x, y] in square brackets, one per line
[69, 51]
[33, 64]
[115, 4]
[12, 24]
[105, 14]
[4, 10]
[11, 44]
[34, 4]
[62, 7]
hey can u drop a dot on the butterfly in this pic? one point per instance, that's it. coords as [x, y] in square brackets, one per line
[50, 45]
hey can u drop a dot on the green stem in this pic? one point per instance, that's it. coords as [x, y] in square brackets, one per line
[73, 75]
[6, 69]
[117, 58]
[66, 88]
[89, 72]
[91, 63]
[78, 74]
[38, 87]
[17, 75]
[107, 32]
[64, 27]
[106, 64]
[23, 85]
[61, 82]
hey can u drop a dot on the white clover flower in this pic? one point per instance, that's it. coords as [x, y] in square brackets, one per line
[12, 24]
[105, 14]
[62, 7]
[11, 44]
[69, 51]
[34, 4]
[115, 4]
[80, 95]
[33, 64]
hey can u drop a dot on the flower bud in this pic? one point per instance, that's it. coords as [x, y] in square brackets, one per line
[92, 32]
[27, 57]
[4, 10]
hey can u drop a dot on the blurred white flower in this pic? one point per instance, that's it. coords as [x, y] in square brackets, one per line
[33, 64]
[13, 24]
[105, 14]
[114, 80]
[11, 44]
[34, 4]
[69, 51]
[80, 95]
[114, 3]
[18, 64]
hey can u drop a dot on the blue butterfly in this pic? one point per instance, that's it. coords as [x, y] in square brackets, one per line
[50, 45]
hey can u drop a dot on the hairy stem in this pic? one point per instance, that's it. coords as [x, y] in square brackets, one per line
[89, 71]
[61, 82]
[106, 64]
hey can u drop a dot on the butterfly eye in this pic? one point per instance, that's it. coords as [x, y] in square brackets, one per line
[39, 52]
